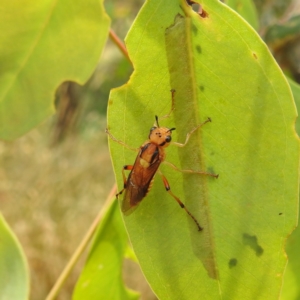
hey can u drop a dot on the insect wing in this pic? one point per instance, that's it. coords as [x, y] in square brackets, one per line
[140, 178]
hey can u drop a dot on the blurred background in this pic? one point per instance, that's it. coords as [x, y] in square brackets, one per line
[54, 180]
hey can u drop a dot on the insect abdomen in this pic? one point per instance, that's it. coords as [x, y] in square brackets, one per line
[140, 178]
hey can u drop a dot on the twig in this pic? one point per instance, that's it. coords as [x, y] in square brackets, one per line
[119, 43]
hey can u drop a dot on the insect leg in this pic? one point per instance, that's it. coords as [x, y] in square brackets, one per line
[190, 133]
[127, 167]
[120, 142]
[168, 189]
[172, 107]
[190, 171]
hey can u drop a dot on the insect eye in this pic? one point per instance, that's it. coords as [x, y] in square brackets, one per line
[168, 139]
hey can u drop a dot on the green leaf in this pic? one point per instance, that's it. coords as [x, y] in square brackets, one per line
[291, 282]
[44, 43]
[220, 68]
[102, 274]
[14, 274]
[246, 9]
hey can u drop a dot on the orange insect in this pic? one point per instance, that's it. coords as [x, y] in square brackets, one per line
[151, 155]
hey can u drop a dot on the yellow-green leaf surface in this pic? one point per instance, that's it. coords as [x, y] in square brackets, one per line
[220, 69]
[42, 44]
[246, 9]
[101, 277]
[291, 286]
[14, 274]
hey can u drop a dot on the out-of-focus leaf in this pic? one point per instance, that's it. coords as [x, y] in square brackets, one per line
[101, 277]
[14, 274]
[270, 11]
[279, 34]
[221, 69]
[42, 44]
[246, 9]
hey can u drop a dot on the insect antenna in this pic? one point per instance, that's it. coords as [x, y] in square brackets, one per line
[156, 119]
[171, 129]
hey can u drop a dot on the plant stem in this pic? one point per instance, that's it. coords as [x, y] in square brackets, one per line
[82, 246]
[119, 43]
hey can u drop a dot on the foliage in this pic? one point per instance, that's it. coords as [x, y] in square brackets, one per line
[220, 68]
[246, 9]
[292, 275]
[246, 213]
[34, 48]
[101, 277]
[14, 283]
[42, 45]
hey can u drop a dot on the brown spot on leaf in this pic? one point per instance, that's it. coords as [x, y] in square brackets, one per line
[197, 8]
[194, 29]
[251, 241]
[232, 263]
[202, 13]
